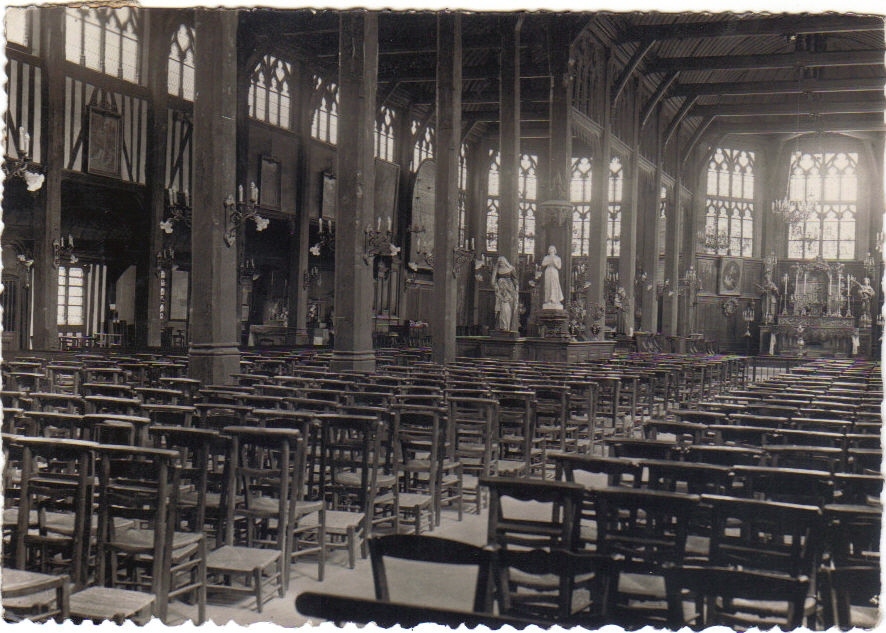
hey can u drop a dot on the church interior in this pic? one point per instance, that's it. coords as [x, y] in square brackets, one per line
[310, 315]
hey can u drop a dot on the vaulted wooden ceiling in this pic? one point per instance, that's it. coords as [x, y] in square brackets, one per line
[729, 73]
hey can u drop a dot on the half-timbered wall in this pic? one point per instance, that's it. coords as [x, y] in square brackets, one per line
[25, 89]
[133, 111]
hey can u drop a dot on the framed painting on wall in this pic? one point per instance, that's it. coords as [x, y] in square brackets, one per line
[730, 276]
[269, 176]
[707, 275]
[103, 149]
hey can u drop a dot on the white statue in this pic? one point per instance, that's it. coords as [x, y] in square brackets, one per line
[507, 296]
[772, 341]
[553, 296]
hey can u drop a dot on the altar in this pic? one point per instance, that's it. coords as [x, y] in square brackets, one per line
[812, 336]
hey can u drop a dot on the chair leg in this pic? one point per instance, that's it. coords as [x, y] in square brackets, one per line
[321, 540]
[352, 547]
[256, 580]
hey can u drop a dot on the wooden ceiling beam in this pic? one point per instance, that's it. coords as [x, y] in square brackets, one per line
[784, 125]
[843, 84]
[786, 108]
[777, 60]
[787, 25]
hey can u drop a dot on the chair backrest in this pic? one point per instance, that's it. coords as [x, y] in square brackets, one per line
[351, 447]
[764, 535]
[853, 533]
[474, 432]
[694, 478]
[855, 591]
[647, 528]
[715, 587]
[435, 550]
[555, 601]
[560, 525]
[791, 485]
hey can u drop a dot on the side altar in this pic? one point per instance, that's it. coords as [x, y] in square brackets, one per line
[815, 313]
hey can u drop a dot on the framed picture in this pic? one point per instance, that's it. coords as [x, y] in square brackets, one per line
[707, 275]
[103, 148]
[328, 193]
[269, 176]
[730, 276]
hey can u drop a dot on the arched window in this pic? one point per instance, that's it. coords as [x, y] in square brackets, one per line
[424, 145]
[104, 39]
[384, 134]
[270, 94]
[180, 77]
[580, 196]
[70, 295]
[493, 202]
[324, 120]
[613, 222]
[831, 180]
[462, 194]
[527, 195]
[729, 205]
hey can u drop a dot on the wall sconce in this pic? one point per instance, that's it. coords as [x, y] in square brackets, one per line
[178, 207]
[238, 212]
[22, 167]
[326, 236]
[310, 276]
[378, 242]
[26, 262]
[462, 257]
[165, 259]
[62, 248]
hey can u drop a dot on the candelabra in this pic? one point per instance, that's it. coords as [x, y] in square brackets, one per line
[178, 207]
[748, 315]
[165, 258]
[63, 249]
[247, 268]
[377, 242]
[310, 276]
[238, 212]
[663, 288]
[770, 262]
[325, 237]
[22, 167]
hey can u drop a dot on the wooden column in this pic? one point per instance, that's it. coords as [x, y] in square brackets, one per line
[596, 298]
[158, 129]
[627, 261]
[48, 218]
[652, 241]
[509, 138]
[355, 170]
[671, 305]
[214, 305]
[298, 294]
[443, 319]
[554, 221]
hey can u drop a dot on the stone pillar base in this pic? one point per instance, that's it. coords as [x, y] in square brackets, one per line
[347, 360]
[554, 324]
[213, 364]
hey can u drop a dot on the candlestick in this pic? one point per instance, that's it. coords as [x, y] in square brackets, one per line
[389, 224]
[239, 193]
[27, 148]
[70, 240]
[21, 139]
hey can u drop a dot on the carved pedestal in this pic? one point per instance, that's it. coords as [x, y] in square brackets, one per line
[554, 324]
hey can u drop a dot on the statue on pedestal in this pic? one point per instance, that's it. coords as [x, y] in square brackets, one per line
[866, 293]
[770, 303]
[553, 293]
[507, 296]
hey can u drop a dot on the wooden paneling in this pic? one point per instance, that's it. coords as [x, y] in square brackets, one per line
[25, 107]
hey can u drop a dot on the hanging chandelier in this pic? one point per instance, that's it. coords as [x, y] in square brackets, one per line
[795, 210]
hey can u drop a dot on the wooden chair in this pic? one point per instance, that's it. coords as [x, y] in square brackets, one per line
[851, 597]
[713, 588]
[768, 536]
[19, 585]
[790, 485]
[357, 480]
[645, 530]
[56, 485]
[542, 584]
[474, 435]
[431, 550]
[521, 451]
[518, 527]
[424, 457]
[142, 485]
[262, 475]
